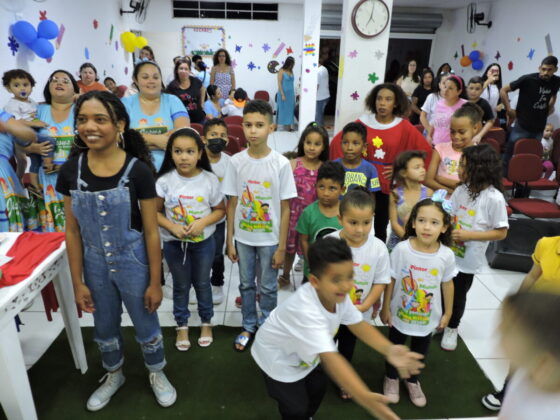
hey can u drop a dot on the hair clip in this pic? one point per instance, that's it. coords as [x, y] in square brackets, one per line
[439, 197]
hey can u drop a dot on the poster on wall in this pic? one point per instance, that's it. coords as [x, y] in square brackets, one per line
[203, 40]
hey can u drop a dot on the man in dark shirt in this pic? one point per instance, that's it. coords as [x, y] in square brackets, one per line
[537, 95]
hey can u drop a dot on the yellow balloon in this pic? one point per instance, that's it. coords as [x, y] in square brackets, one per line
[141, 42]
[128, 46]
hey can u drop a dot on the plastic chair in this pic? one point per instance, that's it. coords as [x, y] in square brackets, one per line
[262, 95]
[497, 134]
[493, 143]
[233, 119]
[198, 127]
[525, 168]
[531, 146]
[236, 130]
[233, 146]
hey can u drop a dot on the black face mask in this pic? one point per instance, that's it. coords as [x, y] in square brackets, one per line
[216, 145]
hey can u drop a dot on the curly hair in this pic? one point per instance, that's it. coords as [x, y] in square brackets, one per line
[401, 100]
[17, 74]
[168, 163]
[133, 142]
[410, 232]
[333, 171]
[215, 59]
[482, 169]
[313, 127]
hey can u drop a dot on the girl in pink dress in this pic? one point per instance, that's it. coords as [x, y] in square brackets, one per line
[451, 101]
[313, 150]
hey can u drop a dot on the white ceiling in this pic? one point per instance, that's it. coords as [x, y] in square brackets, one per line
[437, 4]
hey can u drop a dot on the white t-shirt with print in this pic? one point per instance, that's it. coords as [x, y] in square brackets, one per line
[487, 212]
[259, 185]
[429, 106]
[416, 302]
[219, 168]
[187, 199]
[371, 266]
[287, 346]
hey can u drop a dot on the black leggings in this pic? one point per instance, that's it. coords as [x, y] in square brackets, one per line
[418, 344]
[381, 219]
[346, 342]
[462, 284]
[298, 400]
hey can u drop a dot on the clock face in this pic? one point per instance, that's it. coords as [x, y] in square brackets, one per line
[370, 18]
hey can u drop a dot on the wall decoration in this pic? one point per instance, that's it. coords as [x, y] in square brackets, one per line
[497, 56]
[305, 90]
[548, 42]
[95, 24]
[518, 39]
[36, 39]
[116, 45]
[456, 55]
[251, 66]
[86, 53]
[271, 67]
[203, 40]
[372, 77]
[379, 54]
[265, 47]
[126, 70]
[510, 65]
[307, 38]
[474, 44]
[13, 45]
[289, 50]
[309, 49]
[61, 31]
[341, 67]
[307, 70]
[111, 33]
[353, 54]
[531, 54]
[465, 60]
[234, 63]
[237, 48]
[355, 95]
[278, 50]
[43, 15]
[250, 45]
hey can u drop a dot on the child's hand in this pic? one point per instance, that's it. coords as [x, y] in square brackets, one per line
[278, 259]
[153, 297]
[84, 299]
[361, 307]
[444, 321]
[195, 228]
[179, 231]
[386, 317]
[377, 406]
[232, 253]
[460, 235]
[405, 361]
[476, 139]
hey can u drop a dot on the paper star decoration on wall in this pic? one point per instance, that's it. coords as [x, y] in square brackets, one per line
[353, 54]
[289, 50]
[251, 66]
[456, 55]
[237, 48]
[379, 54]
[372, 77]
[377, 141]
[497, 56]
[266, 47]
[42, 15]
[13, 44]
[379, 154]
[250, 45]
[474, 44]
[355, 95]
[234, 63]
[531, 53]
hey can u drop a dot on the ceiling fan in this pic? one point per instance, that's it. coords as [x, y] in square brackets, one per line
[474, 19]
[140, 7]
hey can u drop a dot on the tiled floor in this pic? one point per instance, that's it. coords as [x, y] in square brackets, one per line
[477, 328]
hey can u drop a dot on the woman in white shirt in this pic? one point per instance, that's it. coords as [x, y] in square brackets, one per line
[492, 84]
[409, 80]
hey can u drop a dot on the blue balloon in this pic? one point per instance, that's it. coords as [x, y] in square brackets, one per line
[24, 31]
[474, 55]
[477, 65]
[47, 29]
[43, 48]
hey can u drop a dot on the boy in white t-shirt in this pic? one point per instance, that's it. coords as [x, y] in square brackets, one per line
[260, 184]
[298, 335]
[216, 139]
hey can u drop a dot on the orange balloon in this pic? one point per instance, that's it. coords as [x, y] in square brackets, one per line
[465, 61]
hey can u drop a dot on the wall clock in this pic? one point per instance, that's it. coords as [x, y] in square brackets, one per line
[370, 18]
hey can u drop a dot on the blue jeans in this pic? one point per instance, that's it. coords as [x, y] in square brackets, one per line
[247, 286]
[36, 159]
[217, 278]
[190, 263]
[320, 111]
[516, 133]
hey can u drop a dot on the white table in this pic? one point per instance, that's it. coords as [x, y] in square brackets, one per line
[15, 392]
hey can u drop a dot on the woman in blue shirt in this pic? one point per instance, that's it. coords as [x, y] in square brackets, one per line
[213, 106]
[153, 113]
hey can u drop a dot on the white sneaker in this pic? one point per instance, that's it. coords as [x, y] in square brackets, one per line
[102, 395]
[217, 294]
[449, 340]
[391, 390]
[416, 394]
[163, 390]
[299, 265]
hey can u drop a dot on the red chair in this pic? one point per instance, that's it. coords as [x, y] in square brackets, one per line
[497, 134]
[532, 146]
[555, 154]
[237, 131]
[233, 146]
[523, 169]
[493, 143]
[233, 119]
[262, 95]
[198, 127]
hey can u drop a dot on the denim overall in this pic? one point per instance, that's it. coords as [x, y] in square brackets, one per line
[116, 271]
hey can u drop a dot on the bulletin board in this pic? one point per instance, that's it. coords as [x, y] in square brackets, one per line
[203, 40]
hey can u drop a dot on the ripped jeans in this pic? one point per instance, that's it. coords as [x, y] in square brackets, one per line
[123, 281]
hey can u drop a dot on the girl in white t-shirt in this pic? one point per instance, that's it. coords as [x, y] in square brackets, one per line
[422, 266]
[479, 216]
[530, 338]
[189, 206]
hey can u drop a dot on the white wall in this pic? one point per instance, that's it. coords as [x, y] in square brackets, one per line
[77, 17]
[512, 19]
[164, 35]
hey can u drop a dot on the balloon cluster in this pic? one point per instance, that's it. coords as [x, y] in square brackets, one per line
[36, 39]
[131, 41]
[474, 59]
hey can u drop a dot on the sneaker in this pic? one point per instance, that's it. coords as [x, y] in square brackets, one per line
[217, 294]
[299, 265]
[416, 395]
[163, 390]
[102, 395]
[449, 340]
[391, 390]
[493, 401]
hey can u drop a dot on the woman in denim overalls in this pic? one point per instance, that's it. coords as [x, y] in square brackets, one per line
[120, 263]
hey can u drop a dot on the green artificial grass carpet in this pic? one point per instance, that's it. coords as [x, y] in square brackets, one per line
[218, 383]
